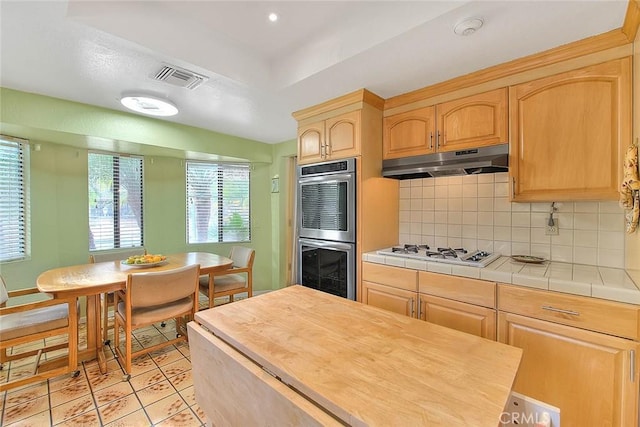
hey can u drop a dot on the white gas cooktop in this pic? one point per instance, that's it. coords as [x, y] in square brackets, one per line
[457, 256]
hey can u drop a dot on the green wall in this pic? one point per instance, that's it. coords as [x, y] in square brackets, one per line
[66, 131]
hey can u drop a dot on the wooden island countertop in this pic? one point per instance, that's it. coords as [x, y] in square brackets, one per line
[360, 365]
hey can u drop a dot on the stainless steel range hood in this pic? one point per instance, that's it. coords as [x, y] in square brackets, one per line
[490, 159]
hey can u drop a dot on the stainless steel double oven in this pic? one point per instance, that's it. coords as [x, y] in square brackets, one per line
[326, 226]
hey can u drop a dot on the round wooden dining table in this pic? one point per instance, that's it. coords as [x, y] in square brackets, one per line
[91, 280]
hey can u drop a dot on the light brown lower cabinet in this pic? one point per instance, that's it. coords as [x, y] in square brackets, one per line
[580, 354]
[389, 298]
[469, 318]
[460, 303]
[592, 377]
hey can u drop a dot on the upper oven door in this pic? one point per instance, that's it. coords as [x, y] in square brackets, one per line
[327, 206]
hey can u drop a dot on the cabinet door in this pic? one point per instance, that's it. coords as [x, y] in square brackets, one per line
[567, 133]
[591, 377]
[474, 121]
[397, 300]
[343, 135]
[409, 134]
[311, 143]
[472, 319]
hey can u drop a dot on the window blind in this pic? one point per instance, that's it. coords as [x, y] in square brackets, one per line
[13, 198]
[115, 201]
[218, 202]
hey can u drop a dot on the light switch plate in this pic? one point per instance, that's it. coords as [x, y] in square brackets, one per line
[552, 230]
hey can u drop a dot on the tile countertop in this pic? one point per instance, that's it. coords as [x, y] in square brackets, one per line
[599, 282]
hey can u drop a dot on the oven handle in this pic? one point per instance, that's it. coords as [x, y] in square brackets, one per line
[331, 178]
[326, 245]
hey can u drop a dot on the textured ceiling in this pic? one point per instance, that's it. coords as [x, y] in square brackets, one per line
[260, 72]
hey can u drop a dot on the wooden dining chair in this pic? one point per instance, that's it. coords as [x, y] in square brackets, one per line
[28, 322]
[153, 297]
[107, 298]
[236, 280]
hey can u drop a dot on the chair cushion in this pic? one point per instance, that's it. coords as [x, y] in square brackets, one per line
[30, 322]
[224, 283]
[229, 282]
[4, 295]
[146, 315]
[241, 256]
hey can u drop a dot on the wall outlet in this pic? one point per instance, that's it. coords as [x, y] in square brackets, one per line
[552, 230]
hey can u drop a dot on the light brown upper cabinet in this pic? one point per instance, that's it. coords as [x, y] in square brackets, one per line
[334, 138]
[470, 122]
[409, 134]
[568, 132]
[311, 142]
[347, 126]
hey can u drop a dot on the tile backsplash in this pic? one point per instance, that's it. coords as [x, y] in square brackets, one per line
[474, 212]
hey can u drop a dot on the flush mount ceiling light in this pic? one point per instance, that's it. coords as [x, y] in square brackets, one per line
[150, 105]
[468, 26]
[273, 17]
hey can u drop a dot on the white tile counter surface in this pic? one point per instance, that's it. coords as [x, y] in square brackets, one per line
[599, 282]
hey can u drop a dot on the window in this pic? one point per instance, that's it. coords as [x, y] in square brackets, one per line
[115, 201]
[217, 202]
[14, 200]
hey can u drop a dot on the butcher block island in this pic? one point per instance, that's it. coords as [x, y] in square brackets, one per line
[297, 356]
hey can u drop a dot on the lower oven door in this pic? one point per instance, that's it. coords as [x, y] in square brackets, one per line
[327, 266]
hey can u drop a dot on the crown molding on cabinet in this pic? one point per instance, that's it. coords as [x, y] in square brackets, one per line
[609, 40]
[357, 97]
[632, 20]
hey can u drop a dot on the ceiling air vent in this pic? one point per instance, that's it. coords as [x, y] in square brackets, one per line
[179, 77]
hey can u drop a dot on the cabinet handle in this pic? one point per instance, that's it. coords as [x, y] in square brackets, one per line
[560, 310]
[438, 140]
[327, 150]
[632, 355]
[430, 140]
[412, 307]
[323, 151]
[419, 308]
[513, 188]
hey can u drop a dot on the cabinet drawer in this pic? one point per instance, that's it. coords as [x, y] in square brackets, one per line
[397, 277]
[593, 314]
[472, 291]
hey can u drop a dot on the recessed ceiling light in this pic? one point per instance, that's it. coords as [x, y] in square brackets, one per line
[150, 105]
[468, 26]
[273, 17]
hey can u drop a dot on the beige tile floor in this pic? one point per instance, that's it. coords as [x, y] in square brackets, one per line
[159, 393]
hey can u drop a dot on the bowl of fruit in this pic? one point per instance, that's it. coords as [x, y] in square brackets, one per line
[144, 261]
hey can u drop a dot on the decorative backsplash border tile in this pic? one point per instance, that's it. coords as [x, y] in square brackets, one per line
[474, 212]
